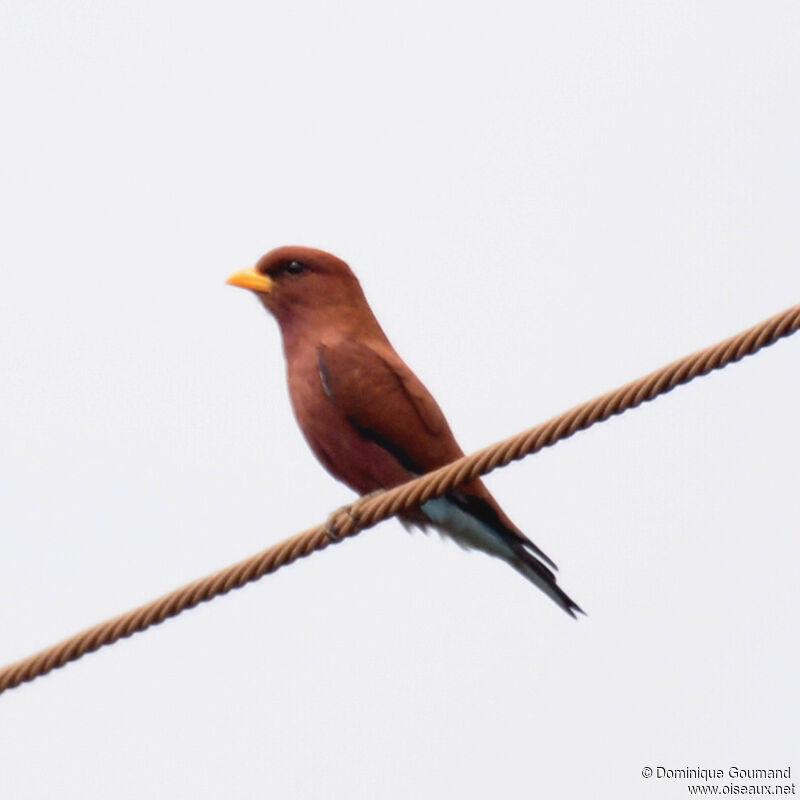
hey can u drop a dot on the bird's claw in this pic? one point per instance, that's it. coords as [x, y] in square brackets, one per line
[330, 525]
[352, 511]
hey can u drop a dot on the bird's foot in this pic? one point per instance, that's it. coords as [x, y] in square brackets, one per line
[331, 528]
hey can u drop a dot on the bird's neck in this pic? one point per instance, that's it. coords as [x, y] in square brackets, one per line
[302, 336]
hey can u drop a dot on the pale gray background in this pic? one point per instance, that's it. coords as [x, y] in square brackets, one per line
[542, 201]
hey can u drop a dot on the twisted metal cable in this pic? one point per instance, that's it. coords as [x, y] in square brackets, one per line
[369, 510]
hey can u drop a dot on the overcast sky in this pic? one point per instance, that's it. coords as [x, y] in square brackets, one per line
[542, 201]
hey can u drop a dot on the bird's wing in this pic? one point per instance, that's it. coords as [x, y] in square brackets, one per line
[386, 402]
[383, 399]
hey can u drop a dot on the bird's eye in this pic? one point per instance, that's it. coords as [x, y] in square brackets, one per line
[295, 268]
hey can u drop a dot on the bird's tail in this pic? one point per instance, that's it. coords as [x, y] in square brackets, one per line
[460, 518]
[543, 578]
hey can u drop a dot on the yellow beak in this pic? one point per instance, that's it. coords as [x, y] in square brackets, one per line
[252, 280]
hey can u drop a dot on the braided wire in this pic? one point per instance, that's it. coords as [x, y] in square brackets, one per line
[372, 509]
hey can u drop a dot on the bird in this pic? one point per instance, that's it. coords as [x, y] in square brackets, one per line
[366, 416]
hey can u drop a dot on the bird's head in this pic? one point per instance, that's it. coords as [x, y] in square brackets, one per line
[304, 288]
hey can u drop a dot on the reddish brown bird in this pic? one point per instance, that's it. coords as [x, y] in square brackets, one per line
[366, 415]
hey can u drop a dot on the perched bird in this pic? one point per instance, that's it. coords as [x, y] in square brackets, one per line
[366, 415]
